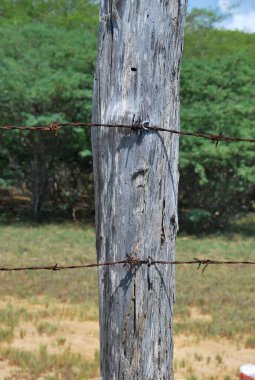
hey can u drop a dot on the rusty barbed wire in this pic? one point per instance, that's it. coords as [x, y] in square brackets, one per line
[52, 127]
[56, 126]
[131, 261]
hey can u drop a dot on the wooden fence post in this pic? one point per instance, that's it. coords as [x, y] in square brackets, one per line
[136, 183]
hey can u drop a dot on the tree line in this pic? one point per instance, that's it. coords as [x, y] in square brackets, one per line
[48, 52]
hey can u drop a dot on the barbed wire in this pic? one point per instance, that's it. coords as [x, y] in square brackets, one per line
[56, 126]
[131, 261]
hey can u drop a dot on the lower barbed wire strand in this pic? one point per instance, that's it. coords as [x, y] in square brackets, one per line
[131, 261]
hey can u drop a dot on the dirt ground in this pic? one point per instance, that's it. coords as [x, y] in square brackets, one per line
[195, 358]
[209, 359]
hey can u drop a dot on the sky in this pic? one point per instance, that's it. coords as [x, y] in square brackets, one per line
[243, 14]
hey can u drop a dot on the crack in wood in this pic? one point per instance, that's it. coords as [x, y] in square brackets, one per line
[124, 333]
[159, 354]
[163, 235]
[149, 282]
[174, 225]
[111, 31]
[134, 300]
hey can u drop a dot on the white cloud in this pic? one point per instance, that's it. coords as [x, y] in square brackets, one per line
[242, 21]
[225, 5]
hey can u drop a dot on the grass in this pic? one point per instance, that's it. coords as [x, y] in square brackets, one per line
[250, 342]
[66, 365]
[11, 316]
[218, 359]
[65, 244]
[6, 335]
[46, 328]
[226, 294]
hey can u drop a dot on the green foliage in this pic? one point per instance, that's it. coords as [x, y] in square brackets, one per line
[70, 14]
[44, 71]
[217, 96]
[216, 44]
[48, 51]
[46, 74]
[202, 19]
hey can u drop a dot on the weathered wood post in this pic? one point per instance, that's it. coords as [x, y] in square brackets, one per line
[136, 183]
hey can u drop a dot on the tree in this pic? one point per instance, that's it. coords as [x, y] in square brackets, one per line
[136, 183]
[203, 19]
[46, 73]
[71, 14]
[217, 96]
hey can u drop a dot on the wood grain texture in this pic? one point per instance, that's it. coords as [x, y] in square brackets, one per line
[136, 183]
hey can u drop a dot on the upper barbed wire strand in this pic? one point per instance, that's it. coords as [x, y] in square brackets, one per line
[56, 126]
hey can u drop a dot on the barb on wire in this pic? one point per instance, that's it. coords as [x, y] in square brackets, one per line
[132, 261]
[55, 126]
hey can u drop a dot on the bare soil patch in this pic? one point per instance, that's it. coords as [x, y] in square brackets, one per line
[201, 358]
[7, 370]
[209, 359]
[197, 315]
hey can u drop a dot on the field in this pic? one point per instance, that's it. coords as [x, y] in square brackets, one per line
[48, 320]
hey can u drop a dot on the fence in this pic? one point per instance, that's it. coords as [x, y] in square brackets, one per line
[56, 126]
[131, 260]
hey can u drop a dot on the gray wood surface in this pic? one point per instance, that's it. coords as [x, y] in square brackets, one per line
[136, 183]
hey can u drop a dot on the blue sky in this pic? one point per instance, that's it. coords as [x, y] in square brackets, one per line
[243, 14]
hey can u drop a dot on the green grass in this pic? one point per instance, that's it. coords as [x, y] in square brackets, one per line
[46, 328]
[224, 292]
[6, 334]
[11, 316]
[250, 342]
[49, 244]
[67, 366]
